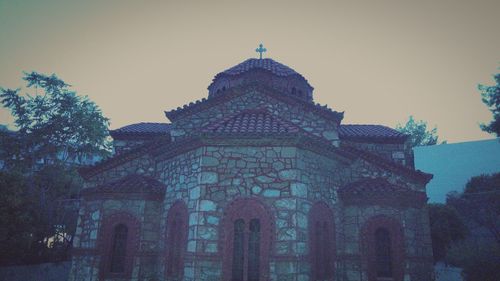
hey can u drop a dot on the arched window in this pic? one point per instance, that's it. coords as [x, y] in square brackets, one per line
[246, 236]
[321, 242]
[383, 249]
[118, 242]
[177, 227]
[383, 253]
[119, 249]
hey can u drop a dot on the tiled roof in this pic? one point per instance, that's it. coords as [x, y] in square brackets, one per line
[231, 93]
[141, 129]
[134, 183]
[372, 185]
[360, 132]
[385, 163]
[379, 190]
[251, 121]
[268, 64]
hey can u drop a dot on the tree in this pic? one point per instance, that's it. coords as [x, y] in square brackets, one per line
[57, 130]
[480, 203]
[446, 227]
[55, 124]
[478, 260]
[491, 97]
[418, 133]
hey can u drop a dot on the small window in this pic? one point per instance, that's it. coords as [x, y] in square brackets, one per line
[177, 220]
[294, 91]
[238, 250]
[119, 249]
[383, 248]
[383, 253]
[246, 233]
[254, 251]
[322, 241]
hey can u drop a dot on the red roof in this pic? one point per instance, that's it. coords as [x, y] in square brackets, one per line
[251, 121]
[267, 64]
[138, 184]
[370, 132]
[141, 129]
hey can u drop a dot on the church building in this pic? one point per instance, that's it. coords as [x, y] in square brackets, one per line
[256, 182]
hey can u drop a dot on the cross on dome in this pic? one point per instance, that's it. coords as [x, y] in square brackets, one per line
[261, 50]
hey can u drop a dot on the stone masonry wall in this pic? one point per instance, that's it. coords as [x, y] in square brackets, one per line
[398, 152]
[287, 179]
[310, 122]
[418, 248]
[86, 260]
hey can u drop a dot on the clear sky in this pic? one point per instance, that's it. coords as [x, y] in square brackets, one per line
[379, 61]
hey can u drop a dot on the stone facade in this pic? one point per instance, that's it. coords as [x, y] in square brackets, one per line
[252, 154]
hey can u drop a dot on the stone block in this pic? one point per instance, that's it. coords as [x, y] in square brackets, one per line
[207, 206]
[271, 193]
[207, 233]
[288, 152]
[286, 203]
[289, 174]
[194, 193]
[208, 177]
[256, 189]
[264, 179]
[298, 189]
[208, 161]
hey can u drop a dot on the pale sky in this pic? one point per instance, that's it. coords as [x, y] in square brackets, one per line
[379, 61]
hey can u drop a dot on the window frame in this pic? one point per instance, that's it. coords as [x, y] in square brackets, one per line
[321, 214]
[106, 242]
[179, 235]
[246, 209]
[396, 235]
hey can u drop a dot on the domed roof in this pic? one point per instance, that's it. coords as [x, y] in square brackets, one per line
[267, 64]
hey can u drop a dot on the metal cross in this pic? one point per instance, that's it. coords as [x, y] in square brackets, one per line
[261, 50]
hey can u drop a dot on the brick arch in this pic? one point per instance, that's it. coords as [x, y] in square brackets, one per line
[176, 239]
[246, 208]
[322, 254]
[397, 246]
[105, 243]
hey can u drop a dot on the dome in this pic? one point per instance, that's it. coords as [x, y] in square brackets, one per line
[266, 71]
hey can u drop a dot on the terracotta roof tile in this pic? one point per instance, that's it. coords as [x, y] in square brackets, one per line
[141, 129]
[372, 185]
[251, 121]
[134, 183]
[268, 64]
[360, 132]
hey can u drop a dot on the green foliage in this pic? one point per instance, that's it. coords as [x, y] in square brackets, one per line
[36, 209]
[480, 203]
[418, 133]
[491, 97]
[57, 130]
[54, 123]
[446, 227]
[16, 218]
[479, 260]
